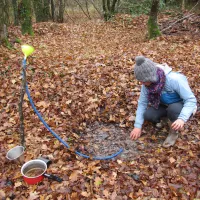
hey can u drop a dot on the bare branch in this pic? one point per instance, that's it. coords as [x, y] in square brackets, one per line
[69, 16]
[77, 1]
[181, 18]
[92, 1]
[194, 6]
[176, 22]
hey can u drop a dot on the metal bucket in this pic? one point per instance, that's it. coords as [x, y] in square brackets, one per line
[16, 154]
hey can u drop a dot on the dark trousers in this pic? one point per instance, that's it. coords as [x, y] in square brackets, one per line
[171, 111]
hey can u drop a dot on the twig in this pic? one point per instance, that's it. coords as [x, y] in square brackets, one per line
[91, 188]
[77, 1]
[21, 115]
[96, 8]
[176, 22]
[69, 16]
[86, 5]
[181, 18]
[194, 6]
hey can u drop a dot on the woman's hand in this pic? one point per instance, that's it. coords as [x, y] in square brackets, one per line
[177, 125]
[135, 134]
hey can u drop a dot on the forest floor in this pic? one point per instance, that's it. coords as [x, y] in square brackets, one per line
[81, 80]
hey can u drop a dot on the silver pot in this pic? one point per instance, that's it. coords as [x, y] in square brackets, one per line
[16, 154]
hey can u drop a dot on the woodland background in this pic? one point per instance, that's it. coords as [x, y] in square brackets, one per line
[81, 81]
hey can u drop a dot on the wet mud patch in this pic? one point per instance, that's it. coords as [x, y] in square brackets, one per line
[106, 139]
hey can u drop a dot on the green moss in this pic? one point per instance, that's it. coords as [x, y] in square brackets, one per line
[26, 17]
[7, 43]
[27, 28]
[17, 40]
[153, 29]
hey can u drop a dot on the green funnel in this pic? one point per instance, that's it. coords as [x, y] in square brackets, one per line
[27, 50]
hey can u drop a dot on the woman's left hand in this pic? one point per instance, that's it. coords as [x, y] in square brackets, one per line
[178, 124]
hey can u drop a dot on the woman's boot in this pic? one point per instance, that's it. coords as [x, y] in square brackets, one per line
[171, 138]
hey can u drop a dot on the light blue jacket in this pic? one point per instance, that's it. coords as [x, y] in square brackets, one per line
[176, 88]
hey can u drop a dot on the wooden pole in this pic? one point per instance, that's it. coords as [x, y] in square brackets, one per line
[21, 115]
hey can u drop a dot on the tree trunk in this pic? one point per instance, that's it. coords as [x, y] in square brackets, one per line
[60, 8]
[183, 5]
[26, 17]
[38, 9]
[52, 10]
[118, 3]
[108, 8]
[16, 18]
[61, 11]
[108, 5]
[42, 10]
[6, 12]
[113, 6]
[46, 10]
[3, 28]
[153, 29]
[105, 10]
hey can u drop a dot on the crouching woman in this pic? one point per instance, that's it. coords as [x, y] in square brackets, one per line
[164, 94]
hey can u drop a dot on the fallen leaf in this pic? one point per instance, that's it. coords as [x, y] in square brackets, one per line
[46, 85]
[2, 194]
[74, 175]
[68, 102]
[42, 104]
[191, 153]
[98, 181]
[131, 118]
[13, 81]
[106, 193]
[44, 147]
[172, 160]
[85, 194]
[33, 195]
[144, 182]
[114, 195]
[17, 184]
[174, 187]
